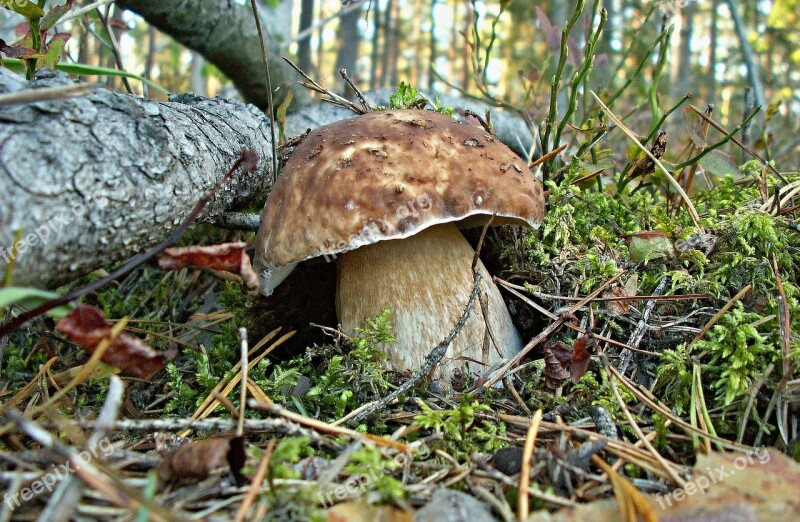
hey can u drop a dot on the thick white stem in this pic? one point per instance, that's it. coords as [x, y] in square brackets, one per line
[426, 280]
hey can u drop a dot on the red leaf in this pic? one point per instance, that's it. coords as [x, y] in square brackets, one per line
[13, 51]
[579, 362]
[87, 326]
[227, 257]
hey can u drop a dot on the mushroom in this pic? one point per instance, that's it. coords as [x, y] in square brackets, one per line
[385, 194]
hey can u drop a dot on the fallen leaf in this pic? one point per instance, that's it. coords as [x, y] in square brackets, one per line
[87, 326]
[617, 307]
[579, 362]
[227, 257]
[556, 358]
[647, 245]
[196, 461]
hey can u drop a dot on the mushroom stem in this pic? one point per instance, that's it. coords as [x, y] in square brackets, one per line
[426, 280]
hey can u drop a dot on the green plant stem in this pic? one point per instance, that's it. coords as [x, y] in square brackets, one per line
[719, 144]
[653, 89]
[579, 76]
[36, 42]
[555, 86]
[86, 70]
[638, 71]
[492, 39]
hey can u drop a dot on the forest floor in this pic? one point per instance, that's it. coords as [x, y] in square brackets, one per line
[660, 370]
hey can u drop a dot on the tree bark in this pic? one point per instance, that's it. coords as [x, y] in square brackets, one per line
[224, 32]
[93, 180]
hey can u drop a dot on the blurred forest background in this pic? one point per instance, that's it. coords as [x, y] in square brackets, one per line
[733, 54]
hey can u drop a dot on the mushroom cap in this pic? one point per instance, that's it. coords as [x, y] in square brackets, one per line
[387, 175]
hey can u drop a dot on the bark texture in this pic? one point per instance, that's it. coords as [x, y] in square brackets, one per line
[224, 32]
[93, 180]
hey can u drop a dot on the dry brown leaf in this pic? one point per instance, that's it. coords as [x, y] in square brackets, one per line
[227, 257]
[617, 307]
[87, 326]
[556, 361]
[196, 461]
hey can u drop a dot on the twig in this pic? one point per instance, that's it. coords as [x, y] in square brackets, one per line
[525, 474]
[535, 493]
[356, 90]
[265, 61]
[740, 144]
[92, 473]
[314, 86]
[432, 360]
[547, 156]
[632, 423]
[47, 94]
[711, 322]
[638, 333]
[242, 381]
[255, 484]
[328, 428]
[106, 18]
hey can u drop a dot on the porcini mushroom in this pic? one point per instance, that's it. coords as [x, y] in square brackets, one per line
[384, 194]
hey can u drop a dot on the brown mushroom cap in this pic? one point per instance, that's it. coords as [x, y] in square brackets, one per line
[387, 175]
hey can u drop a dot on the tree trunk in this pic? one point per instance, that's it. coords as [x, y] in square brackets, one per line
[711, 72]
[432, 47]
[224, 32]
[92, 180]
[388, 35]
[304, 45]
[374, 56]
[681, 74]
[349, 41]
[753, 73]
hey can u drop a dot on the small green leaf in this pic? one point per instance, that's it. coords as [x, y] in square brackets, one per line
[31, 298]
[694, 125]
[54, 15]
[24, 7]
[280, 113]
[719, 164]
[54, 49]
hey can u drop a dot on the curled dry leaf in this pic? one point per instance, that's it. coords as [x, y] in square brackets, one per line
[196, 461]
[561, 362]
[87, 326]
[617, 307]
[227, 257]
[556, 360]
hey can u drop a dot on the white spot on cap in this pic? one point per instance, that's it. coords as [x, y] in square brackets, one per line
[478, 201]
[350, 205]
